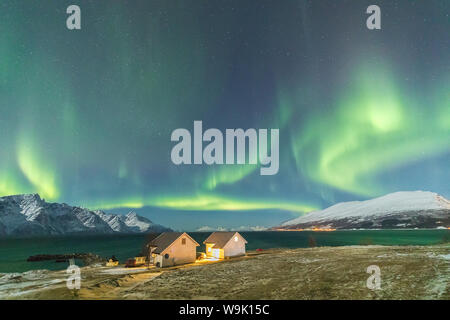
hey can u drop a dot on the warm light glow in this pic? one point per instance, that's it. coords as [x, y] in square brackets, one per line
[307, 229]
[218, 253]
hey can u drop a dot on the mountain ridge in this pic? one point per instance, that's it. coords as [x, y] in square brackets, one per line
[403, 209]
[29, 215]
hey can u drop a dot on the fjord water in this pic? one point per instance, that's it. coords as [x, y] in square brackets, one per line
[14, 252]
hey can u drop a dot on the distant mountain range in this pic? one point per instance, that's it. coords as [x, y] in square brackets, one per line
[29, 215]
[399, 210]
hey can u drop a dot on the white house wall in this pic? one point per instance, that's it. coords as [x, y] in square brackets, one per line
[233, 248]
[179, 253]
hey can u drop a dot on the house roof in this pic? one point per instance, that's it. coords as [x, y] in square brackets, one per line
[165, 239]
[221, 238]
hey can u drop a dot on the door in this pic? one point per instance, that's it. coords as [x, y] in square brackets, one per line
[216, 253]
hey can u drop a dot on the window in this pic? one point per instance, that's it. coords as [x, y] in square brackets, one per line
[236, 239]
[209, 249]
[183, 241]
[166, 256]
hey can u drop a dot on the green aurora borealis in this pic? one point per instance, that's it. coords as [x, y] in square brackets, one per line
[86, 116]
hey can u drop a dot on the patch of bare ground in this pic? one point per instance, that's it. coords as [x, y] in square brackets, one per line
[407, 272]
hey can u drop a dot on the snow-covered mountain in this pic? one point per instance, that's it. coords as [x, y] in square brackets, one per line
[406, 209]
[28, 215]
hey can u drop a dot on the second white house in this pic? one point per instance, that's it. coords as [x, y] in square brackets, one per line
[222, 245]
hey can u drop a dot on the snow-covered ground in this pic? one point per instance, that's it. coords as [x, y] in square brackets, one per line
[123, 270]
[14, 285]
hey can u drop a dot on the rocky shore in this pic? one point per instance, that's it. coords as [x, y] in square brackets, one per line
[87, 258]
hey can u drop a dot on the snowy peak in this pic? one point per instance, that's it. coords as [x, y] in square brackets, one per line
[28, 214]
[137, 223]
[131, 215]
[406, 209]
[29, 205]
[113, 220]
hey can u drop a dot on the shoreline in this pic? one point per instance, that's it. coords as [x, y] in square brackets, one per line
[249, 252]
[422, 272]
[93, 235]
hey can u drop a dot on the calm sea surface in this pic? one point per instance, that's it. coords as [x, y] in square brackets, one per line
[14, 252]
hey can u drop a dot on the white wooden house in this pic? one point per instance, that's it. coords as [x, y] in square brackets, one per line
[222, 245]
[172, 248]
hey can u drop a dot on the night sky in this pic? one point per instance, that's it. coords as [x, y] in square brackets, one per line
[86, 115]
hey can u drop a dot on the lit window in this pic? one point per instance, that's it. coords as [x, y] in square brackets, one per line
[209, 249]
[236, 239]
